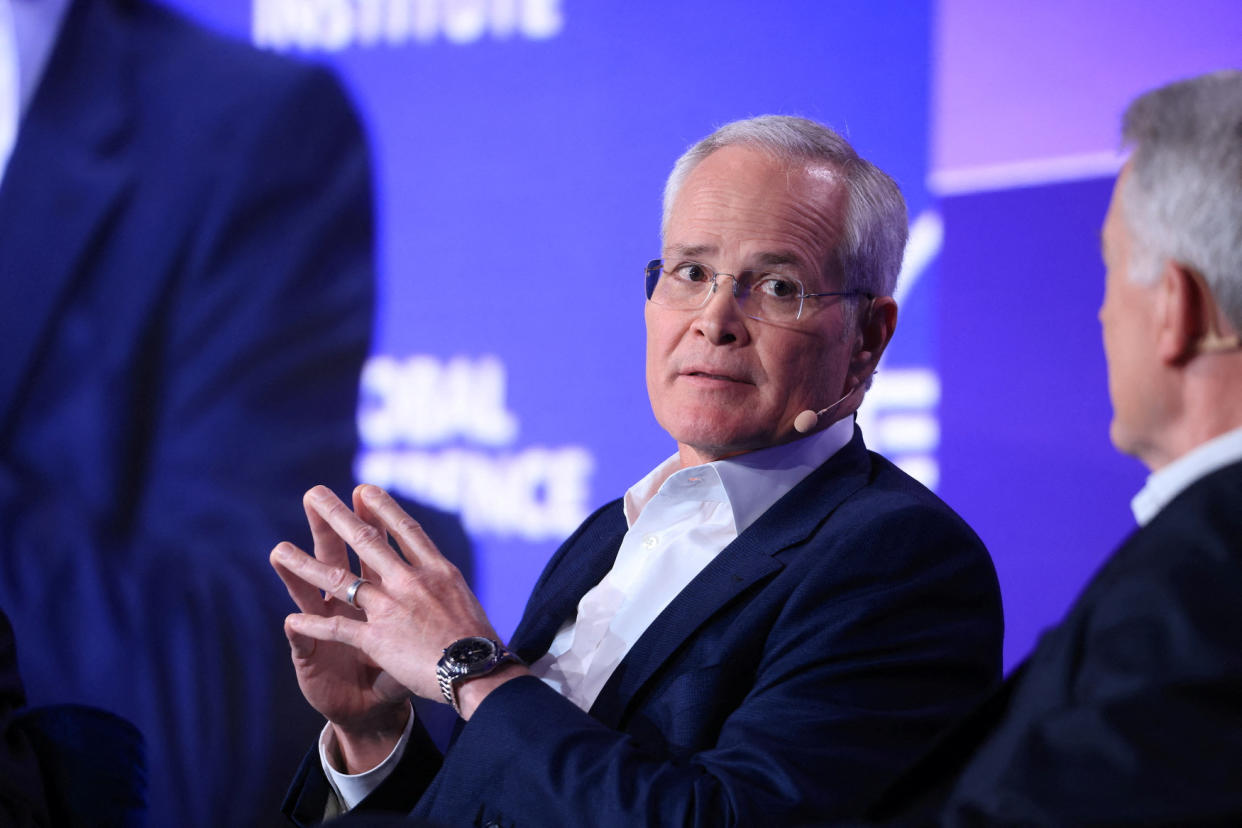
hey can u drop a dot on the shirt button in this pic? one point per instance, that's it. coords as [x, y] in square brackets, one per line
[651, 542]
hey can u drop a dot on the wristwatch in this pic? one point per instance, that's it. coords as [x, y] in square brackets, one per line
[468, 658]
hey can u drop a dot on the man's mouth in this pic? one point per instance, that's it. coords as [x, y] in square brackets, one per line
[713, 376]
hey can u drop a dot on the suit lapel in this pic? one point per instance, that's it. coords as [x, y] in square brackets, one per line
[580, 564]
[754, 555]
[728, 575]
[62, 181]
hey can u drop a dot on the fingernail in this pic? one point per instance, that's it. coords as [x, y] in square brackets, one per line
[372, 494]
[320, 494]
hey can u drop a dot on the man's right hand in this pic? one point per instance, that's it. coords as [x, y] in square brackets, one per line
[367, 708]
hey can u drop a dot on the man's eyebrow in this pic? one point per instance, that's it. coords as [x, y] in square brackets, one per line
[770, 259]
[690, 251]
[696, 251]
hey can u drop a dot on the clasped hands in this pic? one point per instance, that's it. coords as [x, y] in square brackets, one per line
[357, 665]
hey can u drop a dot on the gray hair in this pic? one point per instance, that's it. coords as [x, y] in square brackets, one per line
[1183, 196]
[874, 237]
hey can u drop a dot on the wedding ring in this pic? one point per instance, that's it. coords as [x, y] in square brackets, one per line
[352, 593]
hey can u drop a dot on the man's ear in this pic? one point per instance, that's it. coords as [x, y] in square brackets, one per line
[1185, 313]
[877, 320]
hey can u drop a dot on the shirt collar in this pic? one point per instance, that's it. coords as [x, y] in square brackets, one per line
[1167, 483]
[753, 481]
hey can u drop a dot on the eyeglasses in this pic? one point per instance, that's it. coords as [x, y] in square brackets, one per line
[768, 297]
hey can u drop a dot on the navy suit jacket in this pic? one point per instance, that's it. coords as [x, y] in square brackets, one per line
[806, 665]
[1129, 712]
[186, 291]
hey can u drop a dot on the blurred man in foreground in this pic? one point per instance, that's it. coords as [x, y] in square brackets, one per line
[186, 289]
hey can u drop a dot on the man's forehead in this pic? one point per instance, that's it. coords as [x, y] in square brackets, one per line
[750, 166]
[745, 203]
[757, 156]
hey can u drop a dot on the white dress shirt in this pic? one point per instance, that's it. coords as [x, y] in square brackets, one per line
[28, 31]
[679, 520]
[1162, 486]
[352, 788]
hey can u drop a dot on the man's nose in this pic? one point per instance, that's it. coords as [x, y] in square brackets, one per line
[720, 318]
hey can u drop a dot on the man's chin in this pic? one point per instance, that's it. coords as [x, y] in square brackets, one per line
[719, 443]
[1126, 442]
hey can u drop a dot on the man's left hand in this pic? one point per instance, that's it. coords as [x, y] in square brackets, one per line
[416, 607]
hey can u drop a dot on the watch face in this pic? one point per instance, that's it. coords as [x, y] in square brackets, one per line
[470, 651]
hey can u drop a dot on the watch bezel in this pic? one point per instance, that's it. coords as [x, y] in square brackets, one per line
[466, 661]
[453, 666]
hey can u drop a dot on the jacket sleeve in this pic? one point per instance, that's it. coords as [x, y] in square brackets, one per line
[310, 799]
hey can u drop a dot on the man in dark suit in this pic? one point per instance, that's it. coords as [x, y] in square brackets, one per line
[185, 303]
[1130, 710]
[771, 624]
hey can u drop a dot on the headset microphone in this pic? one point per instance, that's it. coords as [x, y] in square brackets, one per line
[805, 422]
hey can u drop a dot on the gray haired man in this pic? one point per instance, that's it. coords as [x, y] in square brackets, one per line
[1130, 711]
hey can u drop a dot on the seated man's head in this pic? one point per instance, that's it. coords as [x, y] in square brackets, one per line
[802, 240]
[1172, 245]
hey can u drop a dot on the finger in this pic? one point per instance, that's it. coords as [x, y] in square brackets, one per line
[332, 580]
[302, 646]
[368, 541]
[329, 547]
[305, 595]
[353, 593]
[410, 536]
[362, 510]
[327, 628]
[369, 574]
[364, 513]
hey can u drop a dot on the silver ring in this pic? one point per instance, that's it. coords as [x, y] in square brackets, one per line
[352, 592]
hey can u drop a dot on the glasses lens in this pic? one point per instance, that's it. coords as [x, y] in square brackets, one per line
[684, 286]
[773, 297]
[652, 274]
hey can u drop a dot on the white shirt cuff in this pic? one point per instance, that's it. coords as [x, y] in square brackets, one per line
[352, 788]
